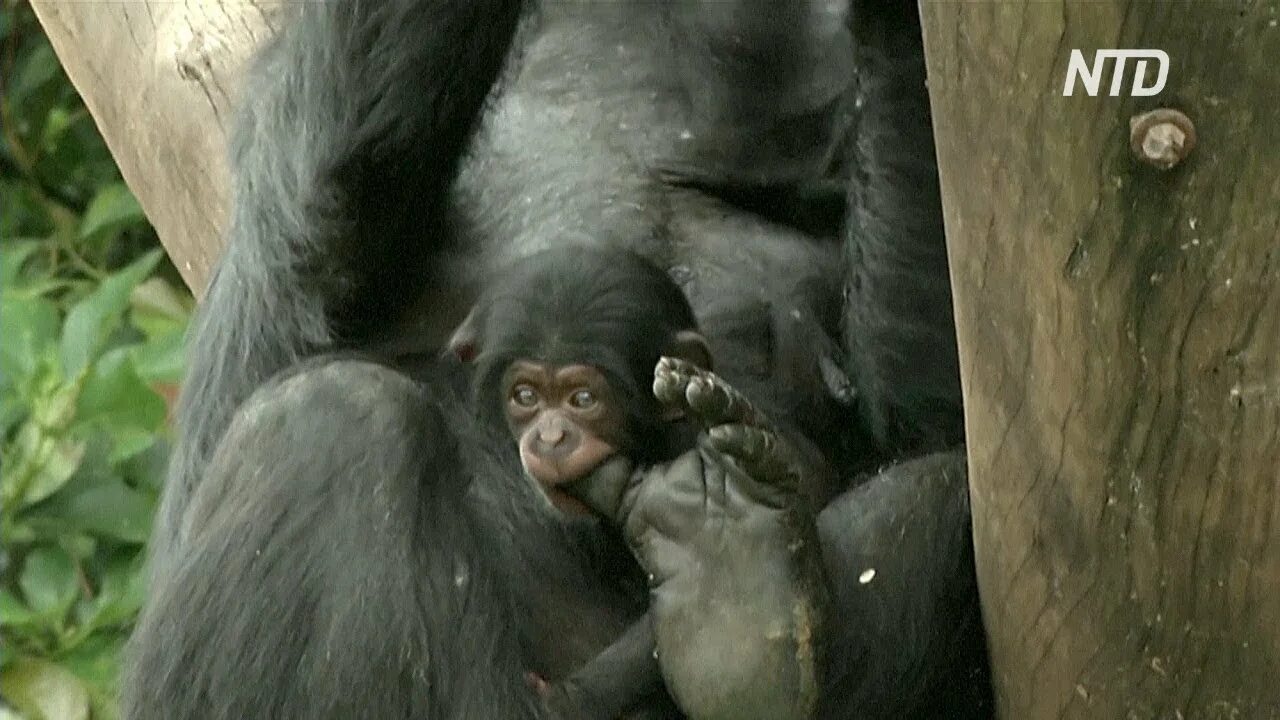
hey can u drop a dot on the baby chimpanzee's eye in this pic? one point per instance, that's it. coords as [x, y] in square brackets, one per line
[524, 396]
[583, 399]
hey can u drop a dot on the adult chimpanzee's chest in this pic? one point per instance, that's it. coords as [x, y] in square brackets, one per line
[650, 163]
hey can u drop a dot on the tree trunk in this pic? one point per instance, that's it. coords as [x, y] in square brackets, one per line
[160, 79]
[1119, 331]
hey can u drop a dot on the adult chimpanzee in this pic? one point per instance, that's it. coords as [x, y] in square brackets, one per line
[328, 553]
[565, 344]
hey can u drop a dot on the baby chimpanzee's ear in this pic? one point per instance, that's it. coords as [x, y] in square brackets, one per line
[690, 346]
[465, 342]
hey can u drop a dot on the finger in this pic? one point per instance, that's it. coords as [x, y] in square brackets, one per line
[602, 490]
[758, 452]
[670, 378]
[715, 402]
[748, 444]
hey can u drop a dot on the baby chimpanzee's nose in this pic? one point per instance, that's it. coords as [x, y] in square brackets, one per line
[551, 436]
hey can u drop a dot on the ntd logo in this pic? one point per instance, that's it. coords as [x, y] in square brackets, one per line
[1092, 77]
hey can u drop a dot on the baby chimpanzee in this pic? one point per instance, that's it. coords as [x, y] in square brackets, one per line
[593, 360]
[564, 344]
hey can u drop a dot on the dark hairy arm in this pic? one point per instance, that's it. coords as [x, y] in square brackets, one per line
[898, 323]
[353, 123]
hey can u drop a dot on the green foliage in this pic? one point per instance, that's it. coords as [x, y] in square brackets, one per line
[92, 319]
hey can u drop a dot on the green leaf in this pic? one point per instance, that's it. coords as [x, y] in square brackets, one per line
[147, 469]
[49, 581]
[13, 255]
[113, 207]
[14, 613]
[162, 358]
[28, 327]
[80, 163]
[46, 287]
[97, 661]
[76, 544]
[42, 689]
[130, 442]
[56, 124]
[94, 467]
[116, 399]
[93, 319]
[24, 213]
[12, 408]
[162, 314]
[41, 464]
[36, 70]
[121, 593]
[107, 509]
[53, 402]
[155, 298]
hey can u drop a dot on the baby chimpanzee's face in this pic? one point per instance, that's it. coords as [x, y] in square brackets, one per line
[566, 420]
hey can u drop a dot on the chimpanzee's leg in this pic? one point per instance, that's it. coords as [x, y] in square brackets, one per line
[333, 567]
[905, 636]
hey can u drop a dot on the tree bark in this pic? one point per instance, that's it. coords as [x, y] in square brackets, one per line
[160, 80]
[1119, 331]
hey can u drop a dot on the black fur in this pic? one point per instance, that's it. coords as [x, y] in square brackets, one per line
[339, 196]
[337, 540]
[898, 297]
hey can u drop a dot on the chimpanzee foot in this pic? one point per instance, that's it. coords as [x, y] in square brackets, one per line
[734, 427]
[726, 534]
[708, 399]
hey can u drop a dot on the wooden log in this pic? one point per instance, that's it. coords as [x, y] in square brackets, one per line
[160, 79]
[1119, 330]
